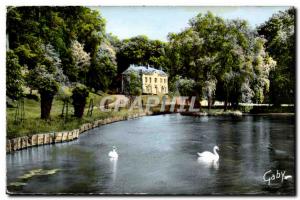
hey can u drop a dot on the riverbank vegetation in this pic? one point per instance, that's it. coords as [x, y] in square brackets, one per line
[33, 124]
[66, 56]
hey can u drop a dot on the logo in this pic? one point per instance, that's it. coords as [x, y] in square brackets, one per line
[277, 176]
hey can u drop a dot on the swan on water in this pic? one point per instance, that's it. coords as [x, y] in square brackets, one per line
[208, 156]
[113, 154]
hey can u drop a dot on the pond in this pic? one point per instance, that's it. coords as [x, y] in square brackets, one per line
[158, 155]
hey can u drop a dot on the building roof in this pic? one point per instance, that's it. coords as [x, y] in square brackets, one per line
[143, 70]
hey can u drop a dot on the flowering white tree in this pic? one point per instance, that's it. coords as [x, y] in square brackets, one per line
[81, 58]
[52, 57]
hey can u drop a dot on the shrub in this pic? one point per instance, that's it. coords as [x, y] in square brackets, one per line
[79, 97]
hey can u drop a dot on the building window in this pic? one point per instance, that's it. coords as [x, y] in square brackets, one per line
[160, 80]
[165, 80]
[155, 80]
[150, 79]
[145, 79]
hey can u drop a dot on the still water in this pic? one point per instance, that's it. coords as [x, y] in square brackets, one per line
[158, 155]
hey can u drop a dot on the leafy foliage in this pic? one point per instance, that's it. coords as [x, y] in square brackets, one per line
[141, 51]
[104, 68]
[133, 84]
[81, 59]
[49, 43]
[226, 59]
[186, 87]
[14, 78]
[279, 32]
[79, 96]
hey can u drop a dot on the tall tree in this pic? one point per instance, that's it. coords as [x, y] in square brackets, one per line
[279, 31]
[224, 58]
[103, 68]
[46, 78]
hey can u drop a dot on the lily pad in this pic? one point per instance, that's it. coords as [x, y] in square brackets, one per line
[17, 184]
[38, 172]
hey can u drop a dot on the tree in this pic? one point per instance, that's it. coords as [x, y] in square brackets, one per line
[235, 59]
[79, 96]
[279, 32]
[194, 53]
[14, 78]
[186, 49]
[140, 50]
[30, 27]
[225, 59]
[81, 59]
[46, 77]
[133, 84]
[45, 82]
[27, 57]
[263, 64]
[186, 87]
[103, 68]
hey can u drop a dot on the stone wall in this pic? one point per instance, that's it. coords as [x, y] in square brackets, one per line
[63, 136]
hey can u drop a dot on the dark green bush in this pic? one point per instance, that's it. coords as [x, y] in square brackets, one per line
[79, 97]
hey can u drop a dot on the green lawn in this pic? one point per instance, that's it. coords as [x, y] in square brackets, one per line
[33, 124]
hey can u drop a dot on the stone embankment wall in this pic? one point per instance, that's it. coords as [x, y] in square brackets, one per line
[63, 136]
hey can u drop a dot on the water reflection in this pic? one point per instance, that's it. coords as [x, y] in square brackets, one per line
[114, 165]
[208, 164]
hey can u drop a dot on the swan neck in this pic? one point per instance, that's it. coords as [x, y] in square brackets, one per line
[216, 153]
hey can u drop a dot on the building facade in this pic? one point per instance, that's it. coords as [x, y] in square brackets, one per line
[153, 81]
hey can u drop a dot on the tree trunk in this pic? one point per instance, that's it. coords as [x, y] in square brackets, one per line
[209, 102]
[225, 104]
[226, 100]
[79, 109]
[46, 104]
[197, 103]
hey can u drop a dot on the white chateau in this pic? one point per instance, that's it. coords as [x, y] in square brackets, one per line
[154, 81]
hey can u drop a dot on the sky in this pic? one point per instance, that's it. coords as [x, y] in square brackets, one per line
[156, 22]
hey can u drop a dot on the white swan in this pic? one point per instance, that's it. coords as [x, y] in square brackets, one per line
[208, 156]
[113, 154]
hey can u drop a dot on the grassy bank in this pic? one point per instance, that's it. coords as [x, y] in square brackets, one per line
[32, 123]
